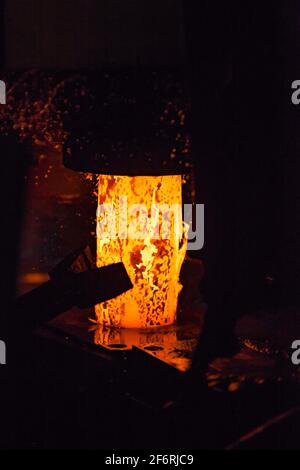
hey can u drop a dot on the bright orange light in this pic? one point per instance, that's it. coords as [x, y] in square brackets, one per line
[139, 222]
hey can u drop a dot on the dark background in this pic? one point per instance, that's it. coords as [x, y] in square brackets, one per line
[87, 33]
[239, 60]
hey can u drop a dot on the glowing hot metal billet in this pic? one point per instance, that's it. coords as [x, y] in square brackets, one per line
[139, 222]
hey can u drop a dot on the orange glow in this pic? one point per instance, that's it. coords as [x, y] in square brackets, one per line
[143, 229]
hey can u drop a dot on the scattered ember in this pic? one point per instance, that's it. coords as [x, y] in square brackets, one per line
[45, 108]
